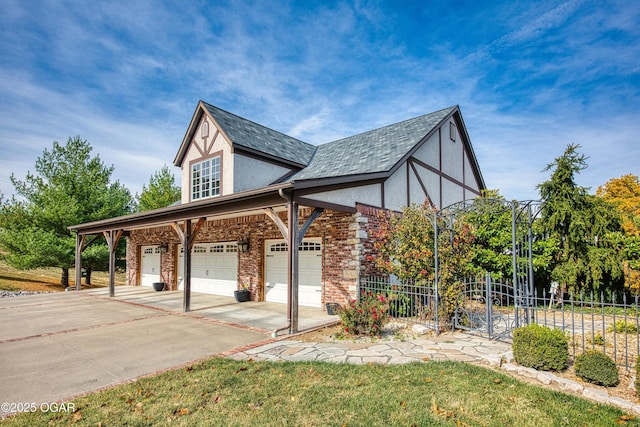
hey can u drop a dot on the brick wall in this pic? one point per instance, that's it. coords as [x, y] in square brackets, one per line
[342, 237]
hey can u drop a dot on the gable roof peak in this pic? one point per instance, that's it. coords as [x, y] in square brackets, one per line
[255, 137]
[378, 150]
[249, 136]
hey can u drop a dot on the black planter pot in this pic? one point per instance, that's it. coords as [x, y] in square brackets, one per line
[332, 308]
[242, 295]
[158, 286]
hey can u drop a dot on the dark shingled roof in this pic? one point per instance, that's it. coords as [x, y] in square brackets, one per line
[369, 152]
[256, 137]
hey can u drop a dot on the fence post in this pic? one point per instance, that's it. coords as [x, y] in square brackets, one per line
[531, 291]
[514, 260]
[489, 305]
[626, 330]
[436, 265]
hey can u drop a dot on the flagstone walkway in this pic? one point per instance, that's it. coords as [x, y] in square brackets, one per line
[464, 348]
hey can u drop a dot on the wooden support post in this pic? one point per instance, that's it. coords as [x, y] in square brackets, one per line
[292, 273]
[296, 235]
[78, 263]
[187, 238]
[186, 244]
[112, 237]
[293, 235]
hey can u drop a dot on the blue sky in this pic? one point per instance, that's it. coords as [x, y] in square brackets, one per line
[530, 77]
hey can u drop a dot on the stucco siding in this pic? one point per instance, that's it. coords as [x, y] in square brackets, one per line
[250, 173]
[431, 180]
[368, 195]
[469, 177]
[429, 153]
[451, 193]
[452, 153]
[395, 189]
[416, 193]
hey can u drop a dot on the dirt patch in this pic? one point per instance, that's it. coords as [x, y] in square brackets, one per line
[31, 286]
[328, 334]
[392, 331]
[47, 279]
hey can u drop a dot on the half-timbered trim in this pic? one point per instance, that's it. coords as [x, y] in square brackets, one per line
[443, 175]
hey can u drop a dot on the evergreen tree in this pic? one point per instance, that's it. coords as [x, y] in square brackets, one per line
[583, 226]
[162, 191]
[69, 187]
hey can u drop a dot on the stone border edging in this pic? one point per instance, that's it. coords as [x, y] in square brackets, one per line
[547, 378]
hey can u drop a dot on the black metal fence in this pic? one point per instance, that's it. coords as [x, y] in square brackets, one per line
[606, 322]
[410, 302]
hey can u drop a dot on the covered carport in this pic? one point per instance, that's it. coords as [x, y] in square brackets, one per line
[186, 221]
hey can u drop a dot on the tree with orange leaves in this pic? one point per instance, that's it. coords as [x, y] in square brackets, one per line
[624, 194]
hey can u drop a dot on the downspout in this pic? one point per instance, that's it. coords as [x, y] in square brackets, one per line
[288, 325]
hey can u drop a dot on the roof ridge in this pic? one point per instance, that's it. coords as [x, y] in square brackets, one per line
[388, 126]
[256, 123]
[373, 151]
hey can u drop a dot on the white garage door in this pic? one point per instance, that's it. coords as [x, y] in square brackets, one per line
[214, 268]
[150, 265]
[310, 272]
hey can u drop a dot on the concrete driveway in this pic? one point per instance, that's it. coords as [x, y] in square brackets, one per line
[56, 346]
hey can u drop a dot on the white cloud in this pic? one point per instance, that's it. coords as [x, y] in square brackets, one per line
[537, 27]
[127, 76]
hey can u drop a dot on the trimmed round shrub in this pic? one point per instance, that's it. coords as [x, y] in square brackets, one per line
[597, 368]
[541, 348]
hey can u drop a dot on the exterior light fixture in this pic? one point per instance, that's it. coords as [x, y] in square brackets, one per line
[164, 248]
[243, 245]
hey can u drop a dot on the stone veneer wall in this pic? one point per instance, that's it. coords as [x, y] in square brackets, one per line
[345, 238]
[368, 220]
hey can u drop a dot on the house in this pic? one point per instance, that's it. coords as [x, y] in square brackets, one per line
[249, 193]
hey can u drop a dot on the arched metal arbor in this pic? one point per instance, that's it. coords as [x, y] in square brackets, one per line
[488, 305]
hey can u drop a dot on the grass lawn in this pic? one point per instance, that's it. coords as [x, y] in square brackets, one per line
[48, 279]
[244, 393]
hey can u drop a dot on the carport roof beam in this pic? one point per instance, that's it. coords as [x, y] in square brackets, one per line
[234, 203]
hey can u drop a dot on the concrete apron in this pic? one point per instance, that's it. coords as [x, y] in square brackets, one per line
[57, 346]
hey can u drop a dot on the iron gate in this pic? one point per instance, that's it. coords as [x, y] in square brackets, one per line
[484, 305]
[491, 308]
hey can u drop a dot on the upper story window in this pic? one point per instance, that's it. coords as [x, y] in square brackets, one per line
[204, 130]
[205, 179]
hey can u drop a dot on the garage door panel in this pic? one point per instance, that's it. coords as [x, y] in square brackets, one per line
[149, 265]
[214, 268]
[309, 272]
[310, 295]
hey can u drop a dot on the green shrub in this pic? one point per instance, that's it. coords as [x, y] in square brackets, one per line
[598, 339]
[623, 327]
[365, 317]
[401, 305]
[541, 348]
[597, 368]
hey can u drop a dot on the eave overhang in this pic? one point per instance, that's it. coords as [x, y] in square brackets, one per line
[235, 203]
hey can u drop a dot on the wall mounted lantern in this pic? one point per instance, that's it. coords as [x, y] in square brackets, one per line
[164, 248]
[243, 245]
